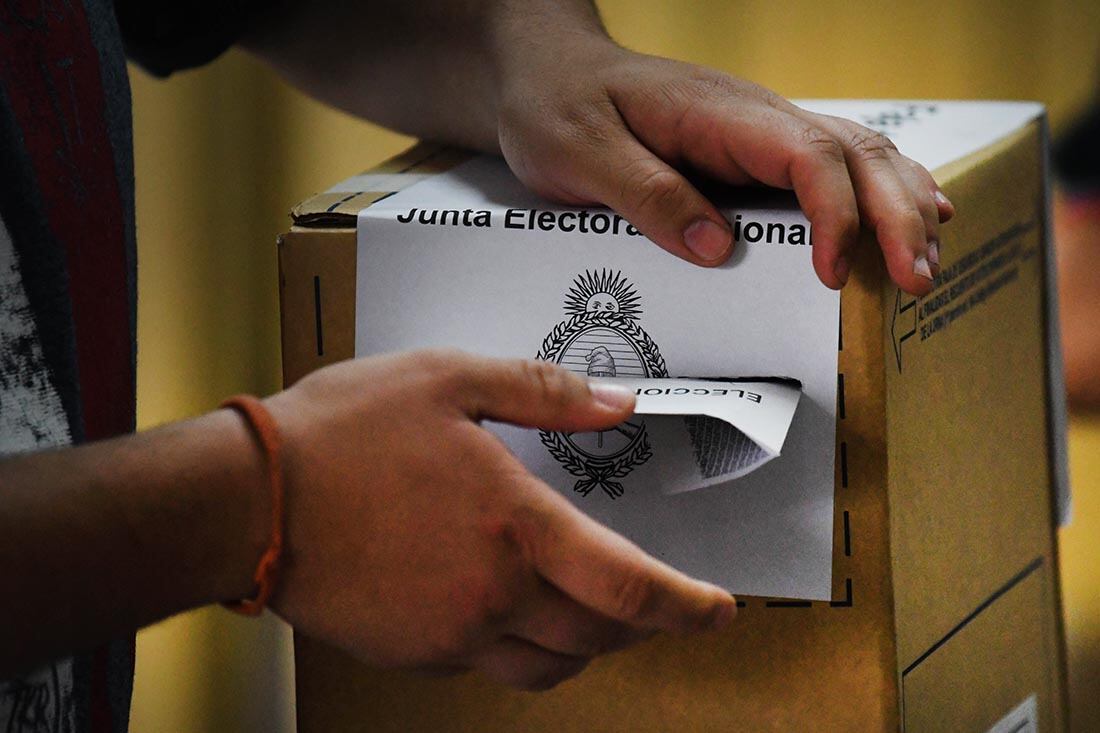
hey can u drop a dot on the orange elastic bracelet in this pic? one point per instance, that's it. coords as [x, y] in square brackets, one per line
[267, 571]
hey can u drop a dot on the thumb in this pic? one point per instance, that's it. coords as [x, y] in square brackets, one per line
[540, 394]
[656, 199]
[602, 570]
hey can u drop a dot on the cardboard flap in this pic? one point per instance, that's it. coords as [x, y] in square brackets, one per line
[339, 205]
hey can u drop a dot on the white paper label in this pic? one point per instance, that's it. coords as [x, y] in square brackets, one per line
[1024, 718]
[470, 259]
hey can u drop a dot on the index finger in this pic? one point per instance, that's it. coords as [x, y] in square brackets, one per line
[606, 572]
[776, 148]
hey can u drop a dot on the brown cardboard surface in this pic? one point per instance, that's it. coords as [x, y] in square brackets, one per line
[316, 299]
[968, 460]
[962, 686]
[942, 497]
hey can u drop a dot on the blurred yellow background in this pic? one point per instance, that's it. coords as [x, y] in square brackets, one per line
[222, 153]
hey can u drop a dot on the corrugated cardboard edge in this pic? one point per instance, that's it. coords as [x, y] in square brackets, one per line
[1058, 413]
[1056, 378]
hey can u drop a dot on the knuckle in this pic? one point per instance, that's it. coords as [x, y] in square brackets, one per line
[870, 145]
[552, 385]
[925, 203]
[770, 98]
[901, 217]
[704, 83]
[645, 187]
[929, 212]
[636, 596]
[920, 171]
[817, 142]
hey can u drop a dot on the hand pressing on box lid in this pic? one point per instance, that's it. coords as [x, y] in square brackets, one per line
[416, 540]
[600, 124]
[584, 121]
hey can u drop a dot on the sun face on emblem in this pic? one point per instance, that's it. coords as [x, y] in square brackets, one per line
[602, 338]
[601, 292]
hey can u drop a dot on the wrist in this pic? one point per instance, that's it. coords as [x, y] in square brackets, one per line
[550, 20]
[233, 490]
[262, 425]
[527, 40]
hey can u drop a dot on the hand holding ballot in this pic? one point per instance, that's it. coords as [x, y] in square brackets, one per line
[419, 541]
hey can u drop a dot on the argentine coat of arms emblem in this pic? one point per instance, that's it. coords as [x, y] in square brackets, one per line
[602, 338]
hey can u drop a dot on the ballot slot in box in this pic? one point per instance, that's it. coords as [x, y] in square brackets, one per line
[887, 554]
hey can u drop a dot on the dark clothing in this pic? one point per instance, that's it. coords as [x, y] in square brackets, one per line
[167, 37]
[68, 265]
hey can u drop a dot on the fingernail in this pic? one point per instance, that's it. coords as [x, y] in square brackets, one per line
[944, 205]
[920, 267]
[934, 256]
[841, 269]
[707, 240]
[612, 396]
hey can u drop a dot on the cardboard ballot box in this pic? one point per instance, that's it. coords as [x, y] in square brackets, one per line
[949, 484]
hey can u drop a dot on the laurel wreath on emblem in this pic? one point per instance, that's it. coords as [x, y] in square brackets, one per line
[596, 475]
[559, 336]
[600, 473]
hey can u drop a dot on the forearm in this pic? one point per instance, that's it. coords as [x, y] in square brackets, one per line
[430, 69]
[99, 540]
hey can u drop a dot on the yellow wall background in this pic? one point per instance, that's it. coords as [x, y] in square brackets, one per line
[223, 152]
